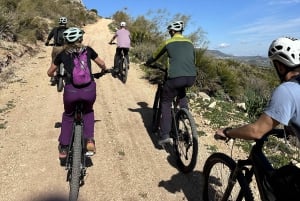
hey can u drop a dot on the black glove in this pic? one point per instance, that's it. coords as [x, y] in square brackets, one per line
[149, 61]
[47, 43]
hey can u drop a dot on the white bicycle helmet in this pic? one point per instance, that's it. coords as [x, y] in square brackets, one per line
[286, 50]
[73, 34]
[123, 24]
[176, 26]
[62, 20]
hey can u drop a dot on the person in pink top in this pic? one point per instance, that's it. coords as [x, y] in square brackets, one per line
[123, 43]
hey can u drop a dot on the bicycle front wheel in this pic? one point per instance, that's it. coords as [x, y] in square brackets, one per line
[124, 67]
[76, 163]
[156, 111]
[186, 142]
[220, 182]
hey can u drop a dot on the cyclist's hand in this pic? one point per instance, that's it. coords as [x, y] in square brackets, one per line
[149, 61]
[219, 135]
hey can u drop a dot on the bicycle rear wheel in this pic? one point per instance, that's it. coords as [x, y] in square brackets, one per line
[60, 79]
[186, 143]
[156, 111]
[60, 84]
[76, 163]
[124, 70]
[218, 182]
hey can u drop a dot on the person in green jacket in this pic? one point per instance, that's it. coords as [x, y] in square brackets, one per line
[181, 74]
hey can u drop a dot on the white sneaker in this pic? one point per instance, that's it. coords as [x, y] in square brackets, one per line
[165, 140]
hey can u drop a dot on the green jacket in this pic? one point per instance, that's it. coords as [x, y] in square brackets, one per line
[181, 53]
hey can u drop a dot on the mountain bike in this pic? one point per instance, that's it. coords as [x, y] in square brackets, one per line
[183, 129]
[121, 70]
[227, 179]
[59, 76]
[77, 156]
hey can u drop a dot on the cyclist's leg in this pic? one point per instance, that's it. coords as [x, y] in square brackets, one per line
[88, 95]
[167, 96]
[126, 55]
[70, 97]
[117, 57]
[187, 82]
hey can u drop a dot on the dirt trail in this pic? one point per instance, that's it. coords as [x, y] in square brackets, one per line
[128, 165]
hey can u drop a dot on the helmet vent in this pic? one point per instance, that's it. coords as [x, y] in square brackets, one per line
[283, 56]
[279, 47]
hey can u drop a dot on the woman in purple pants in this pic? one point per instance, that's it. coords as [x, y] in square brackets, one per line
[72, 93]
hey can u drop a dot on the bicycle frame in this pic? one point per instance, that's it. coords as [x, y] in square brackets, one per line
[183, 129]
[256, 165]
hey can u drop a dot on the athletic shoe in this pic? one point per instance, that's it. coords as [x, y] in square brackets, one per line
[165, 139]
[90, 147]
[63, 151]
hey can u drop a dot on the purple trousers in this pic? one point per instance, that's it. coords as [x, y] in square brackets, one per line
[70, 97]
[172, 88]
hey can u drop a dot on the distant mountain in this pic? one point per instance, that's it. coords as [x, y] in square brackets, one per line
[252, 60]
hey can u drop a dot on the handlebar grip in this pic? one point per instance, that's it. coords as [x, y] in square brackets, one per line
[219, 137]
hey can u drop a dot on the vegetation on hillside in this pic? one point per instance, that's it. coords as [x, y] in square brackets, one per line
[28, 21]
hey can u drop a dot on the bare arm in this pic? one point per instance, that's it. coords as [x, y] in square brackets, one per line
[251, 131]
[100, 63]
[52, 69]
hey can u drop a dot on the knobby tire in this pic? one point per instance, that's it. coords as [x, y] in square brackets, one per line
[60, 84]
[187, 141]
[124, 69]
[215, 185]
[156, 111]
[76, 163]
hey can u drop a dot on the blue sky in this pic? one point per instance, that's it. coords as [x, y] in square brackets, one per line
[236, 27]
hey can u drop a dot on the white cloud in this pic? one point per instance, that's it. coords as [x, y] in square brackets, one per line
[283, 2]
[223, 45]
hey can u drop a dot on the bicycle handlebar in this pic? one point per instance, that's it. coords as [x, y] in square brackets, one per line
[103, 72]
[157, 66]
[277, 132]
[113, 43]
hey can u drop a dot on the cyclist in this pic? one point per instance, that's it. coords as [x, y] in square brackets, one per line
[72, 94]
[57, 34]
[284, 105]
[181, 73]
[123, 44]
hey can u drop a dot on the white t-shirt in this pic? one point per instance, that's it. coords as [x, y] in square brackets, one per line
[284, 105]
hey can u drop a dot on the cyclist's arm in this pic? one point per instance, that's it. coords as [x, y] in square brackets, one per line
[113, 38]
[157, 54]
[251, 131]
[52, 69]
[100, 63]
[50, 36]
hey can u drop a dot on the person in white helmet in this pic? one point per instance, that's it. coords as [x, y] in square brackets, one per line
[73, 93]
[181, 74]
[123, 43]
[283, 108]
[284, 105]
[57, 34]
[58, 40]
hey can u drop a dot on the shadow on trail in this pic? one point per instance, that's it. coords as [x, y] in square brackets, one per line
[146, 114]
[190, 184]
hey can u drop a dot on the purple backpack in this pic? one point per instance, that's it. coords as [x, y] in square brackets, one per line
[81, 72]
